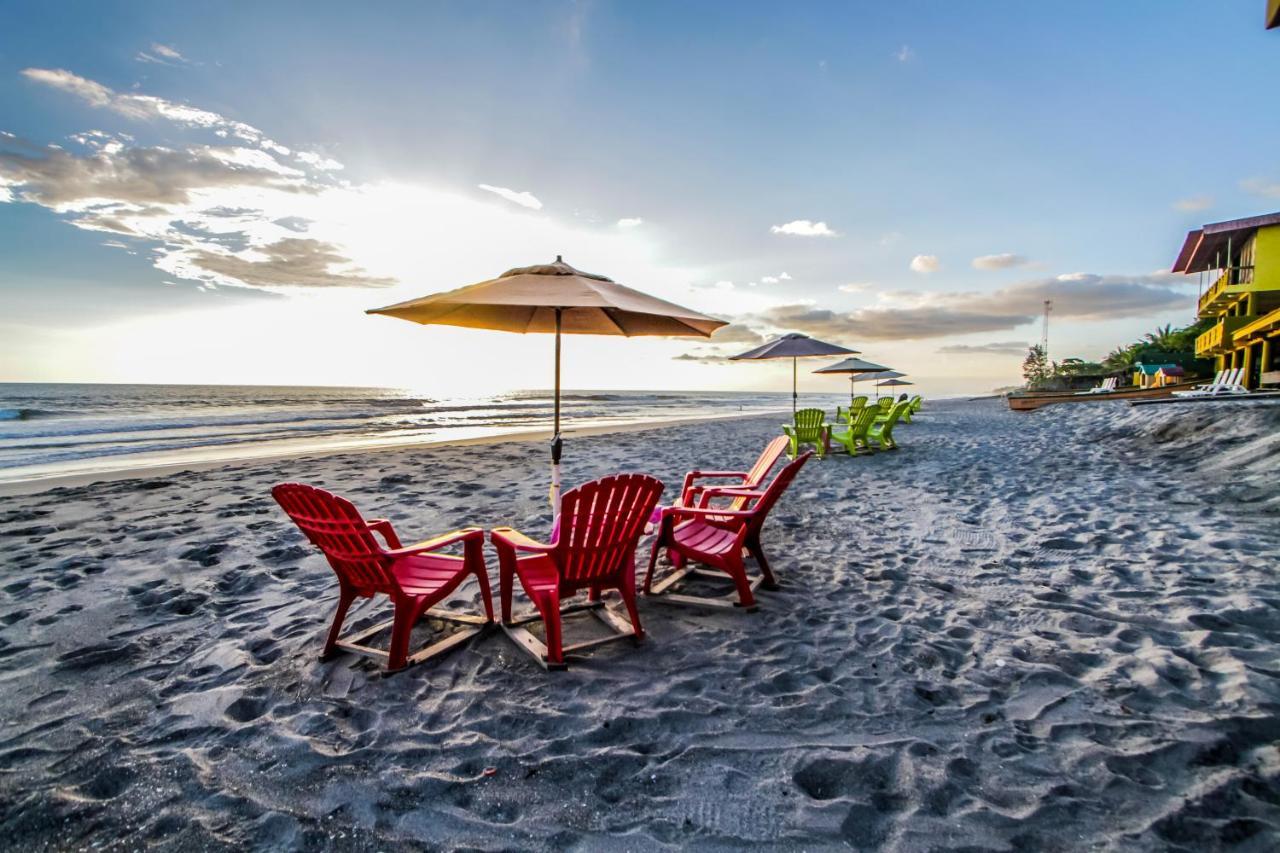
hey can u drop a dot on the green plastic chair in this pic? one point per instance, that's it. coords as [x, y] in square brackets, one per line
[881, 432]
[885, 404]
[855, 436]
[857, 404]
[916, 402]
[913, 406]
[810, 427]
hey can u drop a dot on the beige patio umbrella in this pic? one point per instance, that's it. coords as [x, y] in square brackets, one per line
[555, 298]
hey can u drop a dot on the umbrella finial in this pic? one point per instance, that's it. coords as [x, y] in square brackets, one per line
[559, 259]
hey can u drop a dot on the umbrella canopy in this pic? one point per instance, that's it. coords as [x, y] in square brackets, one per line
[883, 374]
[893, 383]
[554, 298]
[557, 298]
[853, 367]
[793, 346]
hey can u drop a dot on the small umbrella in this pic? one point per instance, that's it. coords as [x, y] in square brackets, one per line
[793, 346]
[884, 374]
[555, 298]
[854, 367]
[892, 383]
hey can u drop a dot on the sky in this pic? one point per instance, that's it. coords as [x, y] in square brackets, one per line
[214, 192]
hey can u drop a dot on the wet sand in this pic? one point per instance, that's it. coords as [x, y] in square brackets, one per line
[1055, 630]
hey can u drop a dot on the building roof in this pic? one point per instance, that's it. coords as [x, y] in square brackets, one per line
[1152, 369]
[1171, 370]
[1273, 14]
[1200, 249]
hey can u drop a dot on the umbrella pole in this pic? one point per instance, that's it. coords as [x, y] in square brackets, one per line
[794, 393]
[556, 444]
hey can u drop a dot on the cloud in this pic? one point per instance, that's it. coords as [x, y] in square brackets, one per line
[137, 176]
[291, 262]
[925, 264]
[736, 333]
[630, 222]
[1002, 261]
[1193, 203]
[319, 161]
[1000, 348]
[1080, 297]
[524, 199]
[855, 287]
[162, 54]
[1261, 186]
[803, 228]
[784, 276]
[904, 54]
[150, 108]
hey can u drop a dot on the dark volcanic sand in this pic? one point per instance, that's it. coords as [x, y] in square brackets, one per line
[1058, 630]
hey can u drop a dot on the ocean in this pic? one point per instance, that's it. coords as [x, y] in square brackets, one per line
[50, 430]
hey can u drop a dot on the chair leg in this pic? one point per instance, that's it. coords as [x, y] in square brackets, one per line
[628, 593]
[345, 597]
[653, 558]
[549, 605]
[770, 582]
[407, 611]
[506, 582]
[482, 577]
[734, 568]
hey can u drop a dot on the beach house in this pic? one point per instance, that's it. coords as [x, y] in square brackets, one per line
[1239, 261]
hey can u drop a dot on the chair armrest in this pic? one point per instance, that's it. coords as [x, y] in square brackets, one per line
[383, 527]
[697, 475]
[676, 512]
[727, 492]
[466, 534]
[517, 541]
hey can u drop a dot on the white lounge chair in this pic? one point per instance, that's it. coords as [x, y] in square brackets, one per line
[1225, 383]
[1105, 387]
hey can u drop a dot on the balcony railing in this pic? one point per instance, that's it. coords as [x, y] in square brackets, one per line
[1230, 277]
[1218, 338]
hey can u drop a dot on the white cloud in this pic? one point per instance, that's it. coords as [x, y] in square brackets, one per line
[1193, 203]
[1001, 261]
[855, 287]
[784, 276]
[149, 107]
[524, 199]
[925, 264]
[803, 228]
[904, 54]
[997, 348]
[162, 54]
[1261, 186]
[630, 222]
[319, 161]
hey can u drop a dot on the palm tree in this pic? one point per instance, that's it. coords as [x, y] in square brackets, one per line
[1163, 338]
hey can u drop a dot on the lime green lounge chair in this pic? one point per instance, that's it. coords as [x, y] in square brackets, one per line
[909, 409]
[881, 432]
[810, 427]
[885, 404]
[855, 436]
[916, 402]
[856, 405]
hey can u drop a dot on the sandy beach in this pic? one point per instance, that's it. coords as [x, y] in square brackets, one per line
[1057, 630]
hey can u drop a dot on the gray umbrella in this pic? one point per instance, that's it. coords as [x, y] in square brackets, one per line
[854, 367]
[793, 346]
[884, 374]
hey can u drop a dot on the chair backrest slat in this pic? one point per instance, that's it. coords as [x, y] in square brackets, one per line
[764, 464]
[776, 487]
[335, 526]
[600, 524]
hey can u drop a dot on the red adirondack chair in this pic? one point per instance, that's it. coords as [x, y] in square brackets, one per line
[692, 492]
[415, 578]
[715, 537]
[593, 549]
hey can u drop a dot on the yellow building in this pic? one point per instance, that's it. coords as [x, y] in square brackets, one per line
[1240, 260]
